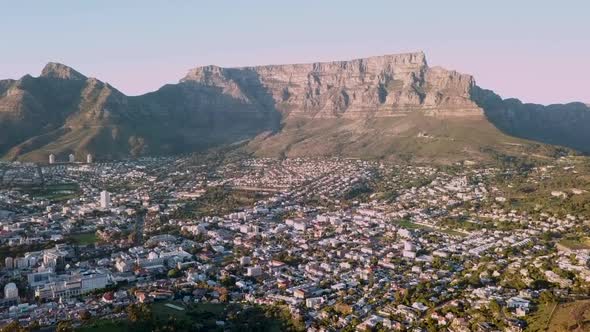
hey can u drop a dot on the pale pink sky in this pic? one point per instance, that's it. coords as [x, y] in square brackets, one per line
[537, 51]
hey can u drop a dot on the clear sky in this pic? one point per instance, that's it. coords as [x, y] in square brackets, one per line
[538, 51]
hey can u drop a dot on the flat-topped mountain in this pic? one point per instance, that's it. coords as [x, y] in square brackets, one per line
[377, 86]
[385, 106]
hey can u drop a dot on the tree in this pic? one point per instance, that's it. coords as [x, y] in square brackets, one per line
[547, 297]
[13, 326]
[495, 307]
[34, 326]
[223, 294]
[64, 326]
[431, 325]
[228, 281]
[173, 273]
[85, 315]
[139, 312]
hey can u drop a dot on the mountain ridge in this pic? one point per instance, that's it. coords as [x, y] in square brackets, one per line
[277, 108]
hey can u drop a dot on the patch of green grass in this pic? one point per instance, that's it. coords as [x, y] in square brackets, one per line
[203, 315]
[216, 308]
[160, 309]
[55, 192]
[575, 243]
[539, 320]
[103, 325]
[450, 232]
[218, 201]
[84, 238]
[409, 225]
[572, 316]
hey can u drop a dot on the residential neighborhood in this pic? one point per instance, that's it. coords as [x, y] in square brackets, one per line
[340, 244]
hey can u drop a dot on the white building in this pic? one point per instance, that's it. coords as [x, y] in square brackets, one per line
[71, 285]
[10, 291]
[21, 263]
[72, 158]
[124, 265]
[314, 302]
[89, 158]
[105, 199]
[404, 233]
[52, 158]
[53, 258]
[8, 262]
[299, 226]
[409, 246]
[254, 271]
[39, 278]
[93, 281]
[409, 254]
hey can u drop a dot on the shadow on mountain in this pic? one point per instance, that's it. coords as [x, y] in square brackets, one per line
[560, 124]
[192, 116]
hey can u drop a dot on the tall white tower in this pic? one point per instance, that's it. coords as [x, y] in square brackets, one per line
[72, 158]
[105, 199]
[8, 262]
[89, 158]
[10, 291]
[52, 158]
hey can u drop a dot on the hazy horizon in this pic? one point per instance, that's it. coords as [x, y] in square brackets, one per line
[534, 51]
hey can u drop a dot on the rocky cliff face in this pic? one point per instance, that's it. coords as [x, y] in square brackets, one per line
[378, 106]
[60, 71]
[382, 86]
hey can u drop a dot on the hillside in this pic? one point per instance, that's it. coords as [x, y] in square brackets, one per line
[392, 106]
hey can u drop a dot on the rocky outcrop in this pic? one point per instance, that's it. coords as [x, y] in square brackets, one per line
[389, 85]
[60, 71]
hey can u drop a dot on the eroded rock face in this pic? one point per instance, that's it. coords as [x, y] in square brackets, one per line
[377, 86]
[60, 71]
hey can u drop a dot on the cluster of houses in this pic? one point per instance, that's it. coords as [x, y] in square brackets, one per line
[428, 247]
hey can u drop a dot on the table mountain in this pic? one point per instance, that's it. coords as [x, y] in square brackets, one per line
[385, 106]
[381, 86]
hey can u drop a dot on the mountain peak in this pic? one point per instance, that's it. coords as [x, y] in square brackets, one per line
[61, 71]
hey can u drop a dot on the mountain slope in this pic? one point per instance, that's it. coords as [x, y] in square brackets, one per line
[560, 124]
[63, 112]
[60, 112]
[386, 106]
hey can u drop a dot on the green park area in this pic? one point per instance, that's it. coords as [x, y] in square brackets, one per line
[218, 201]
[178, 316]
[84, 238]
[104, 325]
[55, 192]
[575, 243]
[571, 316]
